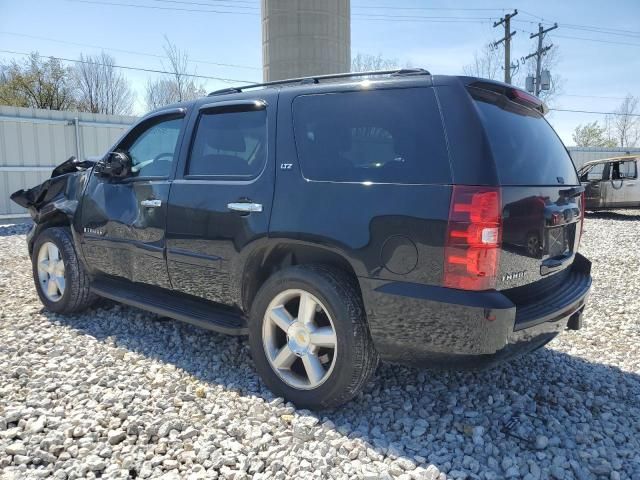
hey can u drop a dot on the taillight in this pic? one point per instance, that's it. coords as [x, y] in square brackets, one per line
[583, 207]
[474, 233]
[524, 98]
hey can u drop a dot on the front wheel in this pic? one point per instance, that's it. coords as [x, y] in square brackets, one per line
[309, 338]
[60, 278]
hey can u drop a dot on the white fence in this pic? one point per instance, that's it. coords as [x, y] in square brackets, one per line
[33, 142]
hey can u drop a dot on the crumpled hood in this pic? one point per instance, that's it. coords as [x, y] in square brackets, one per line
[60, 193]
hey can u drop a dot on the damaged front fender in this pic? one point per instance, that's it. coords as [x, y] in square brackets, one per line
[56, 199]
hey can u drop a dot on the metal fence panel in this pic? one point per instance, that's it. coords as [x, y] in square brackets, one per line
[33, 142]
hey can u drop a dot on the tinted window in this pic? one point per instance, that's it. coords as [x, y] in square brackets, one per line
[229, 144]
[526, 149]
[153, 151]
[383, 136]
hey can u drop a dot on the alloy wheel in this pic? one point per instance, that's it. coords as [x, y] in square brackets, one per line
[51, 271]
[299, 339]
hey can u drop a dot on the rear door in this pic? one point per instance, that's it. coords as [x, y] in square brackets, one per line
[625, 181]
[123, 219]
[221, 198]
[541, 206]
[631, 188]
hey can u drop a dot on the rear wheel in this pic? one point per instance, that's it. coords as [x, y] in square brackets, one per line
[61, 281]
[309, 337]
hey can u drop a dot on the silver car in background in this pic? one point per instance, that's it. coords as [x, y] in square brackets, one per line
[611, 183]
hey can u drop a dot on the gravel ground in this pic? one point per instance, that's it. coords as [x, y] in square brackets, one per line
[119, 393]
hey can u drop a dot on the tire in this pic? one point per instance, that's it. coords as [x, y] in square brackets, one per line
[76, 293]
[347, 367]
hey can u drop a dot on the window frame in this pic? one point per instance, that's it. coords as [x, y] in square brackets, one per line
[603, 172]
[221, 108]
[635, 168]
[142, 126]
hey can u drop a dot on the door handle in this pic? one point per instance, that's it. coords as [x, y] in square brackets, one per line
[245, 207]
[631, 184]
[151, 203]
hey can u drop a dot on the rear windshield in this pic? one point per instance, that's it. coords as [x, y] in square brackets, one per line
[526, 149]
[377, 136]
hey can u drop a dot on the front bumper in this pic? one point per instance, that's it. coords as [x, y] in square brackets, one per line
[435, 326]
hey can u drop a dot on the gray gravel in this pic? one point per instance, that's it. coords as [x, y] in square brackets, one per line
[119, 393]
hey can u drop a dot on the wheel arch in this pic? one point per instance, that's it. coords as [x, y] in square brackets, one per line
[56, 218]
[269, 259]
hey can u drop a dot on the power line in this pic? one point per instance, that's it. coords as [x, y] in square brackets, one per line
[182, 2]
[420, 17]
[593, 96]
[393, 7]
[250, 2]
[597, 40]
[155, 7]
[599, 113]
[531, 15]
[589, 28]
[125, 51]
[603, 31]
[368, 16]
[126, 67]
[594, 27]
[422, 20]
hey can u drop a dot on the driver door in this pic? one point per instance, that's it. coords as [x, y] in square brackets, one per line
[123, 220]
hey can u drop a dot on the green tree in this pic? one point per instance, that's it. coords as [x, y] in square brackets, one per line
[592, 135]
[37, 82]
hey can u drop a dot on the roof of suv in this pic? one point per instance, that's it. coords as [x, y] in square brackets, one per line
[341, 81]
[334, 78]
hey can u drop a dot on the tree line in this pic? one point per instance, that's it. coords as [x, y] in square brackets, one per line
[620, 129]
[93, 84]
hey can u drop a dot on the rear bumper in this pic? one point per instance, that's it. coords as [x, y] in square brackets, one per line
[435, 326]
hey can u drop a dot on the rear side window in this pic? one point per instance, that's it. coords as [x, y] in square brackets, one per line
[378, 136]
[229, 144]
[526, 149]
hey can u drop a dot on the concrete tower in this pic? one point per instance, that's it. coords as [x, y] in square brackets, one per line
[305, 37]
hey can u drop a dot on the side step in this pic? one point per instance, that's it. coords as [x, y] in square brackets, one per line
[186, 308]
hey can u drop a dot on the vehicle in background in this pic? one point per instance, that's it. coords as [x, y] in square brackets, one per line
[611, 183]
[409, 217]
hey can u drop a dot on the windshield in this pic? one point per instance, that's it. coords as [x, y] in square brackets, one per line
[526, 149]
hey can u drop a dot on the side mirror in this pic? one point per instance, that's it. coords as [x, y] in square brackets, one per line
[115, 165]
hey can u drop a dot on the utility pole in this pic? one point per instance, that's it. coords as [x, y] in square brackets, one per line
[506, 21]
[539, 53]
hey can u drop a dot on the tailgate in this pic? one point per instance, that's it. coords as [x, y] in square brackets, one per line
[541, 194]
[541, 232]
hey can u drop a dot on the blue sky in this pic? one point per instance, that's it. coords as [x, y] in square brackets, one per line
[598, 68]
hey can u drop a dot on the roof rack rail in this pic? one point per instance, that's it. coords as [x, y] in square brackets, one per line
[319, 78]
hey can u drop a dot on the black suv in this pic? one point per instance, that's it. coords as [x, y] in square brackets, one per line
[336, 220]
